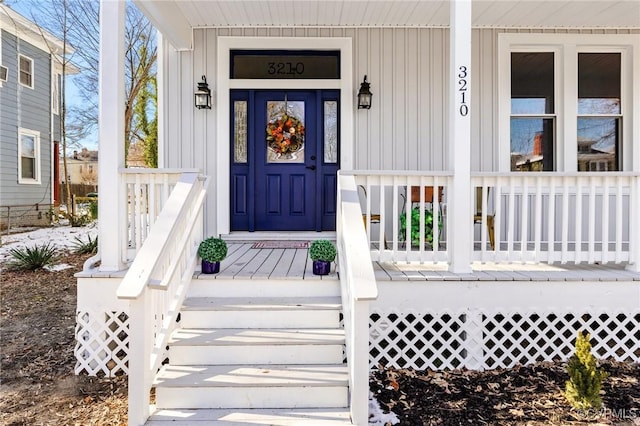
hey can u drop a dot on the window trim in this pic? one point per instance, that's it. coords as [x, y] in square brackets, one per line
[566, 48]
[37, 171]
[32, 71]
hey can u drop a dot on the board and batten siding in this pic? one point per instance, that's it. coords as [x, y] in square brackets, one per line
[22, 107]
[407, 125]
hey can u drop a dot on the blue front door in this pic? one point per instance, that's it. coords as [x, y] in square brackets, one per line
[284, 161]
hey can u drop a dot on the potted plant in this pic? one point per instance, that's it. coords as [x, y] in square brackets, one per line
[322, 252]
[212, 250]
[415, 226]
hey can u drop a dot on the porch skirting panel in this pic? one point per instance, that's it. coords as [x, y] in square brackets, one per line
[449, 325]
[429, 324]
[102, 328]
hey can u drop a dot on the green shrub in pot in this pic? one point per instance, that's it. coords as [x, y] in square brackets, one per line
[212, 249]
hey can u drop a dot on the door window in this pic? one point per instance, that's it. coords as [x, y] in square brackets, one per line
[285, 131]
[331, 132]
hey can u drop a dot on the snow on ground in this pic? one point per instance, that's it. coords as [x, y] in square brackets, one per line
[377, 417]
[62, 236]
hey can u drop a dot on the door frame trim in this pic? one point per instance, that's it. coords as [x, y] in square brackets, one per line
[224, 84]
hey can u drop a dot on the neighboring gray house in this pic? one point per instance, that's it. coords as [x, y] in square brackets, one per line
[30, 81]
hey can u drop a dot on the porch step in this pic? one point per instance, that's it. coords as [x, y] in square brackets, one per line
[252, 417]
[210, 286]
[252, 346]
[252, 352]
[261, 312]
[265, 386]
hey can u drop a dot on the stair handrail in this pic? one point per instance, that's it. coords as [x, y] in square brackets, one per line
[156, 285]
[358, 289]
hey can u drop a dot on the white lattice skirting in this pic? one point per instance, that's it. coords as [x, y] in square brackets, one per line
[435, 325]
[102, 340]
[483, 325]
[490, 339]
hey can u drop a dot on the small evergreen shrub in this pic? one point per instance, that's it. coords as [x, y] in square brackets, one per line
[85, 247]
[32, 258]
[585, 379]
[322, 250]
[212, 249]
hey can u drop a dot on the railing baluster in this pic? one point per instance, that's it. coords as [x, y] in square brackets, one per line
[524, 225]
[565, 222]
[578, 219]
[605, 222]
[551, 225]
[592, 219]
[537, 232]
[435, 242]
[498, 220]
[512, 213]
[619, 219]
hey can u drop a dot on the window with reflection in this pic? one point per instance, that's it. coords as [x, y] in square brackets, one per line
[533, 112]
[599, 112]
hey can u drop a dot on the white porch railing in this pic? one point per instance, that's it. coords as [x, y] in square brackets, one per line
[535, 217]
[156, 284]
[560, 217]
[358, 288]
[388, 194]
[146, 192]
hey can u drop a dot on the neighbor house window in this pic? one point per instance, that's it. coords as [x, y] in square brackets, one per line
[566, 101]
[29, 156]
[26, 71]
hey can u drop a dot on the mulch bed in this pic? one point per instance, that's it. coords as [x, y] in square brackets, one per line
[525, 395]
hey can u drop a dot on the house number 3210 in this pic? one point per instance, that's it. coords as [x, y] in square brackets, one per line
[462, 88]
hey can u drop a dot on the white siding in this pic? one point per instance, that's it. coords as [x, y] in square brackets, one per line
[406, 128]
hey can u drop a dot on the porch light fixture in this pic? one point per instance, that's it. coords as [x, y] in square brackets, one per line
[203, 95]
[364, 95]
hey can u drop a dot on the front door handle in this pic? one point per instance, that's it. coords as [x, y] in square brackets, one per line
[311, 167]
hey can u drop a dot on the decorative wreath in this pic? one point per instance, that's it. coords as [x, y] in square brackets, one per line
[285, 135]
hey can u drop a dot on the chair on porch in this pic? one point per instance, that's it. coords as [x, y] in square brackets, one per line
[428, 197]
[373, 218]
[477, 217]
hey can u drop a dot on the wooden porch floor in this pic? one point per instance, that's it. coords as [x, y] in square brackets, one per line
[246, 261]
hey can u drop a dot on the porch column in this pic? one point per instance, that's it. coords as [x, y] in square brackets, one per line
[460, 217]
[111, 133]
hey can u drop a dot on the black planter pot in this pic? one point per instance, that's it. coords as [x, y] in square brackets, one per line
[210, 267]
[321, 267]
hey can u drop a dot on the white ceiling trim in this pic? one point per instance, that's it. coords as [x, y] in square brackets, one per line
[176, 19]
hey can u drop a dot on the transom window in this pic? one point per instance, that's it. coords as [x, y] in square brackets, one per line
[26, 71]
[569, 100]
[29, 156]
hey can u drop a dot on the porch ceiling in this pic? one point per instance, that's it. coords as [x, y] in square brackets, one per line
[176, 18]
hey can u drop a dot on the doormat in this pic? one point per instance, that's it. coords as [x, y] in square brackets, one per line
[280, 244]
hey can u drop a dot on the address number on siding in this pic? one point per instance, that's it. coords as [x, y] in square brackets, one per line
[463, 75]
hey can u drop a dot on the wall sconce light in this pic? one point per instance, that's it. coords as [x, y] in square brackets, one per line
[364, 95]
[202, 96]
